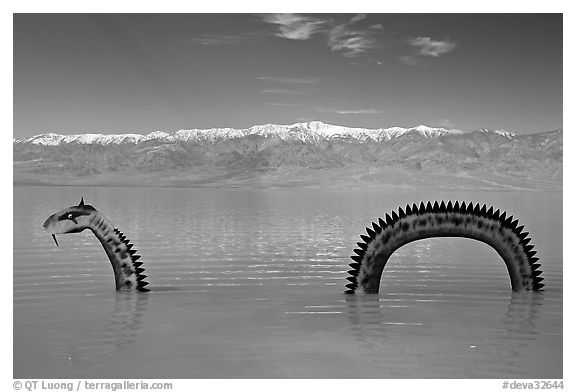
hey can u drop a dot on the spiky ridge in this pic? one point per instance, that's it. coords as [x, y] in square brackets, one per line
[460, 208]
[138, 269]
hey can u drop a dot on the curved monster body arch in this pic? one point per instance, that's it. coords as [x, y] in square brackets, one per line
[128, 271]
[444, 220]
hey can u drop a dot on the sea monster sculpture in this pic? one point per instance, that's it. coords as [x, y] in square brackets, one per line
[383, 239]
[444, 220]
[127, 269]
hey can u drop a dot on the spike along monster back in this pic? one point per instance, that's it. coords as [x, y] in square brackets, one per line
[444, 220]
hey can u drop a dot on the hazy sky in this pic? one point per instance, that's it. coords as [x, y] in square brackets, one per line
[144, 72]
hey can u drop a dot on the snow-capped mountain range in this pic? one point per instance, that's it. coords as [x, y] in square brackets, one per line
[307, 132]
[311, 153]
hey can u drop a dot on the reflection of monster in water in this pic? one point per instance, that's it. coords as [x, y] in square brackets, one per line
[445, 220]
[121, 328]
[520, 322]
[128, 271]
[393, 334]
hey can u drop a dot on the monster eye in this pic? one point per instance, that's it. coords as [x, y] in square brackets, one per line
[72, 217]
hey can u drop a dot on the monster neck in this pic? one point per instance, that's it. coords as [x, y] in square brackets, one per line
[127, 269]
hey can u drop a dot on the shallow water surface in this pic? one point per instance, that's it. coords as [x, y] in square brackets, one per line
[249, 284]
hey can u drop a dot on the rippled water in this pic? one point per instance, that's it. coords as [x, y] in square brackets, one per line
[249, 283]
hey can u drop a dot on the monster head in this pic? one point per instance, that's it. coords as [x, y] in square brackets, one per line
[70, 220]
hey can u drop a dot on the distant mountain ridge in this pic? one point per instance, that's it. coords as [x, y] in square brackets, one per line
[301, 154]
[308, 131]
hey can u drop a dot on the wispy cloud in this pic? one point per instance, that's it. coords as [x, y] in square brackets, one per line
[350, 43]
[349, 36]
[341, 37]
[288, 80]
[214, 39]
[280, 91]
[281, 104]
[299, 86]
[358, 111]
[357, 18]
[294, 26]
[428, 47]
[409, 60]
[349, 111]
